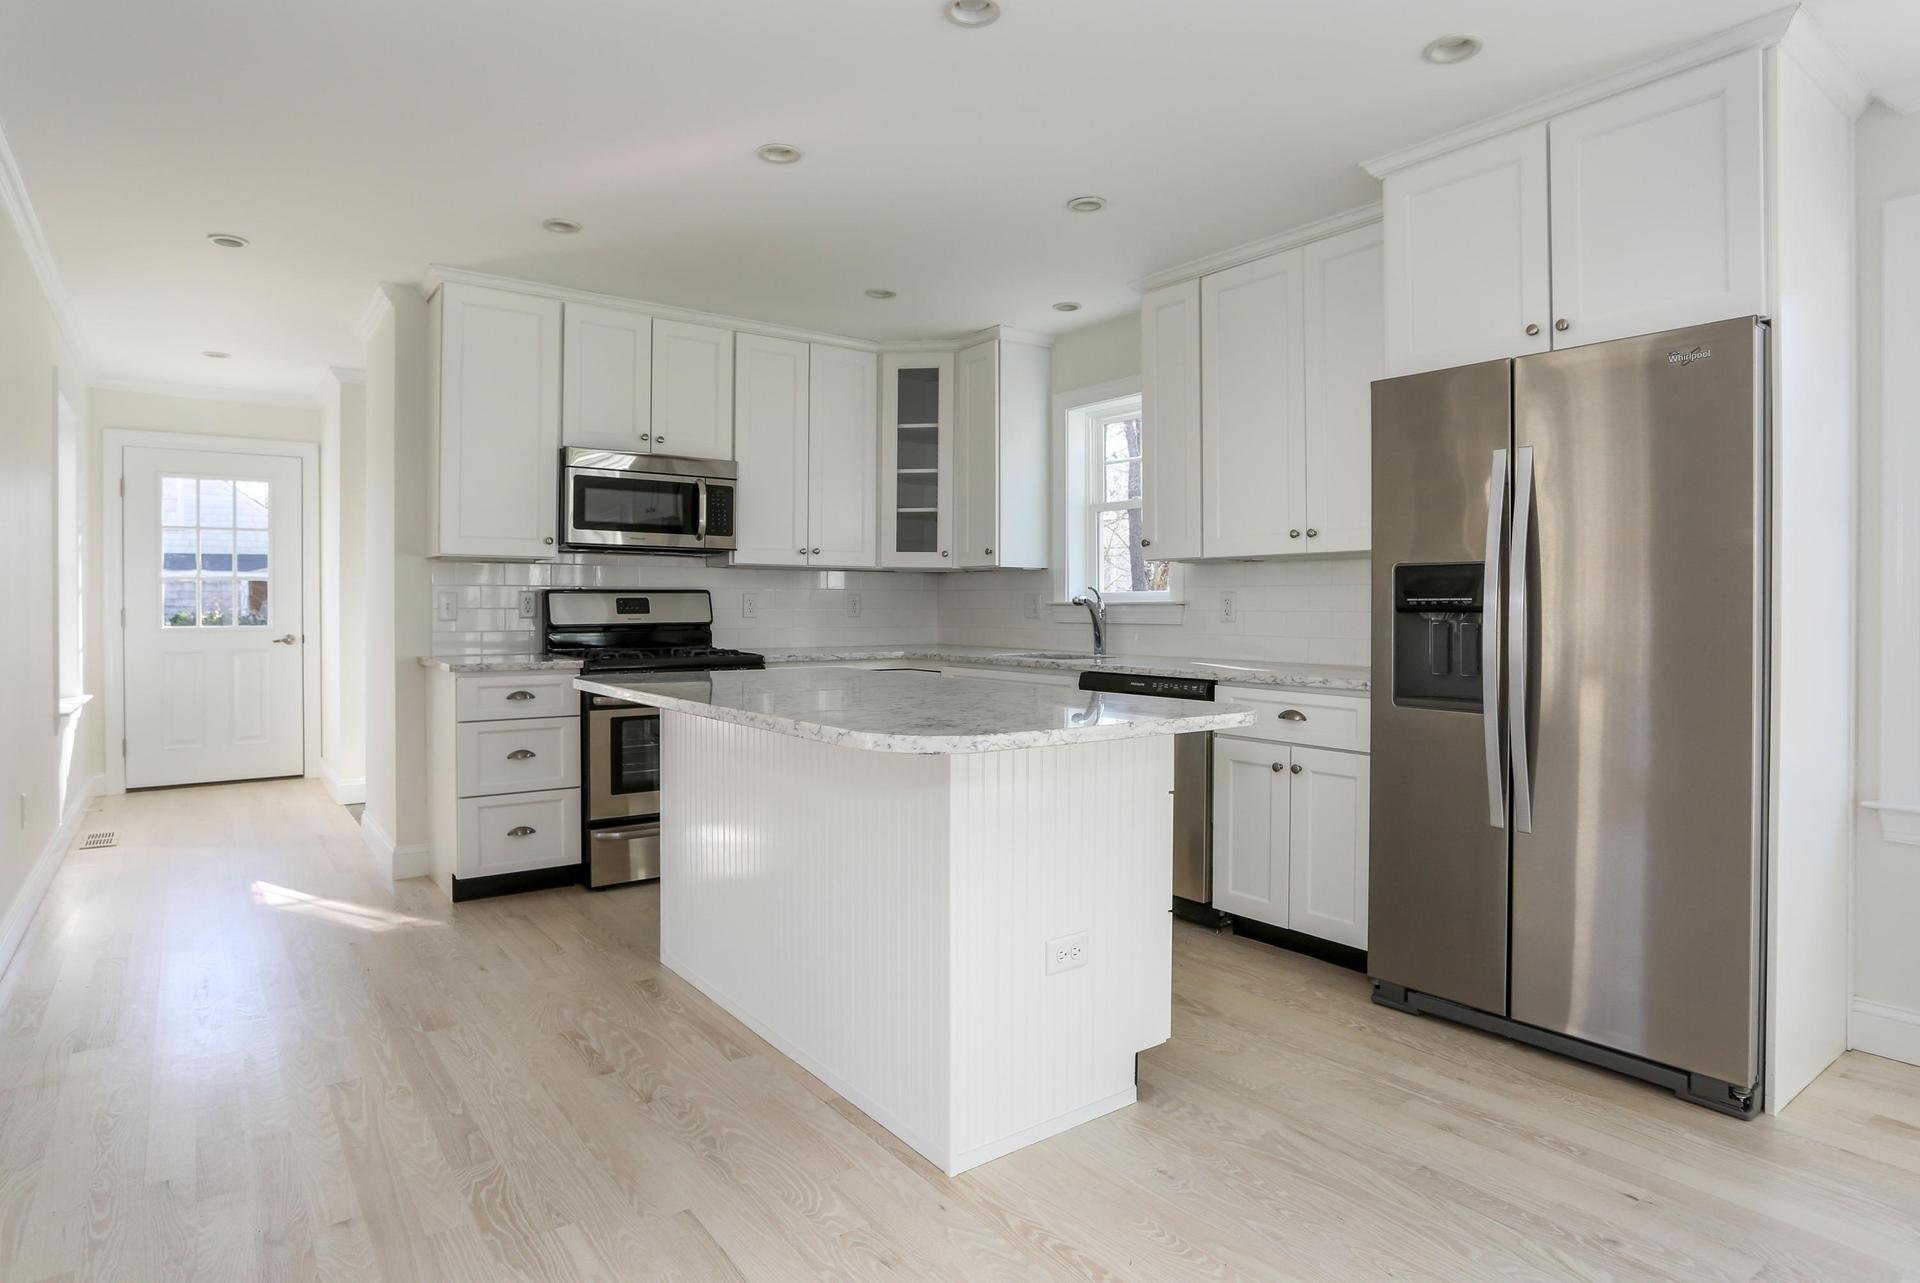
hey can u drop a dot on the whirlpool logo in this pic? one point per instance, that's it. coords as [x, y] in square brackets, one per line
[1690, 356]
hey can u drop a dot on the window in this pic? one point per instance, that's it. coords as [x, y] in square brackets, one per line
[213, 552]
[1120, 566]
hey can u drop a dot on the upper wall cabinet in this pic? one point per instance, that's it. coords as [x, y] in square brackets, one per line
[770, 382]
[494, 400]
[1466, 255]
[843, 458]
[606, 400]
[1253, 407]
[1345, 351]
[1653, 202]
[916, 461]
[1001, 390]
[692, 390]
[1170, 503]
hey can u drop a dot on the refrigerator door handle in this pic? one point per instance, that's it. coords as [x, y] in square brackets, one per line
[1491, 576]
[1519, 645]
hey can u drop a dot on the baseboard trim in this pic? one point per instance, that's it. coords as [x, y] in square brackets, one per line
[346, 790]
[19, 915]
[1882, 1029]
[411, 861]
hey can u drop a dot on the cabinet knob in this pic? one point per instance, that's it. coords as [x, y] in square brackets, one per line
[1296, 768]
[1277, 768]
[520, 755]
[646, 436]
[816, 552]
[1532, 330]
[943, 552]
[549, 540]
[1312, 533]
[1146, 543]
[1293, 534]
[520, 831]
[1563, 324]
[658, 439]
[988, 551]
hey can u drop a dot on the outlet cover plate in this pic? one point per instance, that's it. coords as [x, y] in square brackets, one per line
[1064, 953]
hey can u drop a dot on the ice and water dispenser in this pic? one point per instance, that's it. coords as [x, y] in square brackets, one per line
[1436, 635]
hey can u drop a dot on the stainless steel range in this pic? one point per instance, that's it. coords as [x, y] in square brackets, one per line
[630, 631]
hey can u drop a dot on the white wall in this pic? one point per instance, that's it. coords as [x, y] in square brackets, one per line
[343, 537]
[1886, 963]
[47, 763]
[1312, 611]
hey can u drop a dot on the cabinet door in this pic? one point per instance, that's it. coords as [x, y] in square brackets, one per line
[1253, 408]
[1170, 501]
[770, 424]
[692, 390]
[916, 462]
[498, 429]
[843, 458]
[1327, 847]
[607, 387]
[1345, 352]
[1250, 829]
[976, 427]
[1658, 206]
[1466, 255]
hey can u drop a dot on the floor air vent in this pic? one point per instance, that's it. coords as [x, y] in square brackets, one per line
[95, 840]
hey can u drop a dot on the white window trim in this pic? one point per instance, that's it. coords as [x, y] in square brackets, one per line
[1072, 414]
[1899, 804]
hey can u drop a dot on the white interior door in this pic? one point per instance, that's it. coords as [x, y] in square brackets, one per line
[210, 581]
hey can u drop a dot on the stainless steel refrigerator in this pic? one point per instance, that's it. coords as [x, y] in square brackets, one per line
[1569, 702]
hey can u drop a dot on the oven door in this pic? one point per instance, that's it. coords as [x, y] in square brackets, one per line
[608, 508]
[623, 760]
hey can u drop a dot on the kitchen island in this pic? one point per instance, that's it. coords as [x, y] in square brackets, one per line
[946, 897]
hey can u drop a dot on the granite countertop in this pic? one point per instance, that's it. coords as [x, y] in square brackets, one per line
[500, 663]
[1239, 672]
[889, 712]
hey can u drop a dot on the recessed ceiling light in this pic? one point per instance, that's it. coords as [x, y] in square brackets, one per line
[227, 240]
[880, 294]
[972, 13]
[1087, 204]
[217, 356]
[1450, 49]
[563, 226]
[1066, 307]
[779, 153]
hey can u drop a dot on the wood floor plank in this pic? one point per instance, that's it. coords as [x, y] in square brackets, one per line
[230, 1050]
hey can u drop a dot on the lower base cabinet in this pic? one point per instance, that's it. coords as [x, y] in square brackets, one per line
[1290, 837]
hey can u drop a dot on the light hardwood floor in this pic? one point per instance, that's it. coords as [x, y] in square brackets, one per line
[227, 1051]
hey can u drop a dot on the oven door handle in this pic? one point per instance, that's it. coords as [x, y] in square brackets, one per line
[701, 532]
[609, 703]
[627, 835]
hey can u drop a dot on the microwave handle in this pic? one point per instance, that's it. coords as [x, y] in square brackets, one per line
[701, 533]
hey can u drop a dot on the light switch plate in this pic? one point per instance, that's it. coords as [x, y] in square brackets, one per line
[446, 605]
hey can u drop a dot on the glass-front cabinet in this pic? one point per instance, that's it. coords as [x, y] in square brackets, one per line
[916, 460]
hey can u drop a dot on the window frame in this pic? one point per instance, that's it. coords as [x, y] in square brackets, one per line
[1079, 495]
[1098, 419]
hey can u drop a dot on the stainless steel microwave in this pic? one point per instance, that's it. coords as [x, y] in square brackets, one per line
[614, 502]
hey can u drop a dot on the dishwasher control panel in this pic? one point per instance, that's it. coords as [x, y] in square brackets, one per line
[1142, 684]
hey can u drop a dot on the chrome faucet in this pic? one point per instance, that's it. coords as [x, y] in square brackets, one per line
[1097, 607]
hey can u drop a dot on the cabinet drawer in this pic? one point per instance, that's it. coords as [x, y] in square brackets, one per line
[1300, 717]
[524, 831]
[486, 697]
[517, 756]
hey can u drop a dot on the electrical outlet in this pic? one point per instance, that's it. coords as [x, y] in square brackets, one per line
[1227, 608]
[446, 605]
[1064, 953]
[527, 603]
[1033, 605]
[748, 608]
[853, 605]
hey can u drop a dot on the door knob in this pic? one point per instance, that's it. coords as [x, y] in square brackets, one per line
[520, 755]
[284, 641]
[1563, 324]
[1296, 768]
[1532, 330]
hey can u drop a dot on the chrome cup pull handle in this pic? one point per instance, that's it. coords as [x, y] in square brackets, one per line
[1292, 715]
[520, 755]
[520, 831]
[517, 695]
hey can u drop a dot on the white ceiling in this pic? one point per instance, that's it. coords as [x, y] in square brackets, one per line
[358, 140]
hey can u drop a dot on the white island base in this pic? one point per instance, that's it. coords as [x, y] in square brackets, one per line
[884, 919]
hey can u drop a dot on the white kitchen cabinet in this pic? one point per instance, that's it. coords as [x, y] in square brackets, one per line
[916, 461]
[843, 492]
[1467, 267]
[1253, 407]
[1000, 445]
[1171, 502]
[1251, 828]
[606, 400]
[494, 404]
[771, 440]
[1327, 845]
[1658, 200]
[692, 390]
[1344, 352]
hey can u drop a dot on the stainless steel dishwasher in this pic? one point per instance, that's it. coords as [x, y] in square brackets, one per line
[1192, 852]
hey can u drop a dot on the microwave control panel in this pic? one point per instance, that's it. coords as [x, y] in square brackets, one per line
[719, 511]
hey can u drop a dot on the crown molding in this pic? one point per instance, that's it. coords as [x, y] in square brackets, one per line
[1279, 242]
[1903, 98]
[205, 392]
[377, 306]
[347, 373]
[1823, 63]
[33, 240]
[1762, 32]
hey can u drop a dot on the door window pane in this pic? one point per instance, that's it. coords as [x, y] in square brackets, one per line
[214, 552]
